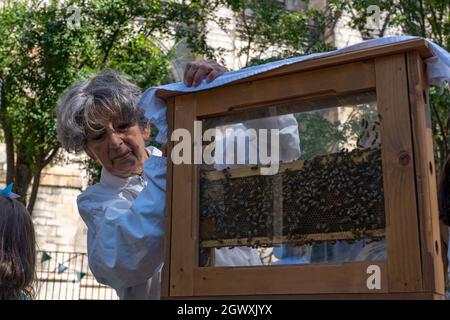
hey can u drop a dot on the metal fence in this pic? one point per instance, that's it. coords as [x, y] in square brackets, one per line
[66, 276]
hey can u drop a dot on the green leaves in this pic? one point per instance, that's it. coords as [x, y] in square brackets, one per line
[270, 32]
[37, 65]
[425, 18]
[142, 59]
[41, 55]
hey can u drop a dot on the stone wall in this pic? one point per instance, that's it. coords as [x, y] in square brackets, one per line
[57, 222]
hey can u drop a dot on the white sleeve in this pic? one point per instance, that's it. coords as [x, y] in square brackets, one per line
[125, 244]
[288, 139]
[236, 257]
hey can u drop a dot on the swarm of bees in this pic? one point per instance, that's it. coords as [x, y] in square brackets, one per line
[340, 192]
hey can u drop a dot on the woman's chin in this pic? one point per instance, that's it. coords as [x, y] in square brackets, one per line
[123, 173]
[126, 168]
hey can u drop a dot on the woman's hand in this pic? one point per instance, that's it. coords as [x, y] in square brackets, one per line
[196, 71]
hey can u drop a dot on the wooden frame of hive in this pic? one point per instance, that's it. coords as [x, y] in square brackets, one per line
[413, 268]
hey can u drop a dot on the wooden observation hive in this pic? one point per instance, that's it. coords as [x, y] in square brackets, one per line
[360, 193]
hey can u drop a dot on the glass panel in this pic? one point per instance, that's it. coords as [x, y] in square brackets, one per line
[309, 192]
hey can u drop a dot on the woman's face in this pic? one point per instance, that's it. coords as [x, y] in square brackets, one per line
[119, 147]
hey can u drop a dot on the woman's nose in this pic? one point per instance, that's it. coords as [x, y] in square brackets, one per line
[115, 140]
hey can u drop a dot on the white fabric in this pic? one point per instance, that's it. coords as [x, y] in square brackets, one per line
[288, 141]
[125, 229]
[237, 256]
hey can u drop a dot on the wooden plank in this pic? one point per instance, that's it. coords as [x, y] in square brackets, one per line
[293, 166]
[165, 274]
[419, 45]
[307, 279]
[341, 79]
[403, 244]
[332, 236]
[183, 249]
[349, 296]
[432, 266]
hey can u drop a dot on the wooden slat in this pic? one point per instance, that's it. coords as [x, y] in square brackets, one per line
[293, 166]
[342, 79]
[347, 296]
[432, 267]
[165, 274]
[183, 249]
[332, 236]
[308, 279]
[403, 244]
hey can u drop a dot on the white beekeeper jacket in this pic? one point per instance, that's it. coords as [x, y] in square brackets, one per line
[125, 224]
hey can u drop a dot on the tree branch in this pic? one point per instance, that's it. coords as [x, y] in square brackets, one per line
[422, 19]
[385, 24]
[34, 191]
[8, 133]
[43, 162]
[441, 128]
[110, 46]
[437, 26]
[49, 158]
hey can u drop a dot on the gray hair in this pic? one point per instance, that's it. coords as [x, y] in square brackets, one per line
[108, 96]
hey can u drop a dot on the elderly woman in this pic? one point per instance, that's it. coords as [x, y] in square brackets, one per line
[124, 211]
